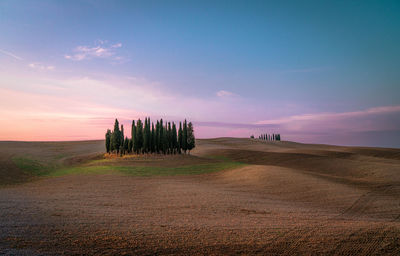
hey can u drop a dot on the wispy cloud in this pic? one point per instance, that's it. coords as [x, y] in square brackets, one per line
[223, 93]
[118, 45]
[11, 54]
[40, 66]
[99, 50]
[331, 116]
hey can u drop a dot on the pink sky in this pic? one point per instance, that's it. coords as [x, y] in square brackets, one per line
[46, 105]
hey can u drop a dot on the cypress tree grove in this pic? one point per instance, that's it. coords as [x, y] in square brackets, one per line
[270, 137]
[151, 137]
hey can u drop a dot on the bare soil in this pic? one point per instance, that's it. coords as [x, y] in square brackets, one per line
[290, 199]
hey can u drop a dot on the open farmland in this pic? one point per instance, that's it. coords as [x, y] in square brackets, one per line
[230, 196]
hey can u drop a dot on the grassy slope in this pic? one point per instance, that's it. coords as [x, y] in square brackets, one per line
[22, 161]
[66, 158]
[147, 170]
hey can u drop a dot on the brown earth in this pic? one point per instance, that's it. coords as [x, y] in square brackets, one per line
[291, 199]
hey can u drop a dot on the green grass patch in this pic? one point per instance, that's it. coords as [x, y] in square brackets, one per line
[148, 170]
[32, 166]
[110, 166]
[83, 170]
[180, 170]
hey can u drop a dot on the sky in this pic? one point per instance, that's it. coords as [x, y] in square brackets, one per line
[313, 71]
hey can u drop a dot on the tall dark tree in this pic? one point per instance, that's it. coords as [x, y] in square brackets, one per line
[153, 139]
[174, 139]
[126, 145]
[190, 137]
[130, 146]
[122, 151]
[169, 138]
[157, 134]
[184, 138]
[139, 136]
[116, 136]
[108, 141]
[112, 147]
[149, 134]
[145, 136]
[133, 136]
[161, 134]
[164, 140]
[180, 137]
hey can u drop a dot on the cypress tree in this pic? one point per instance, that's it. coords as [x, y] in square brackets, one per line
[157, 134]
[169, 138]
[112, 147]
[126, 145]
[145, 136]
[164, 140]
[174, 139]
[161, 146]
[133, 136]
[190, 137]
[150, 138]
[180, 137]
[184, 138]
[139, 136]
[108, 141]
[153, 139]
[116, 138]
[122, 139]
[130, 146]
[149, 134]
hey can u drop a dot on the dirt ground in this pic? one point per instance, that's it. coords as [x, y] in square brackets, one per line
[290, 199]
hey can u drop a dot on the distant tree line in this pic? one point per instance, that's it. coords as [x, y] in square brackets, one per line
[161, 138]
[270, 137]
